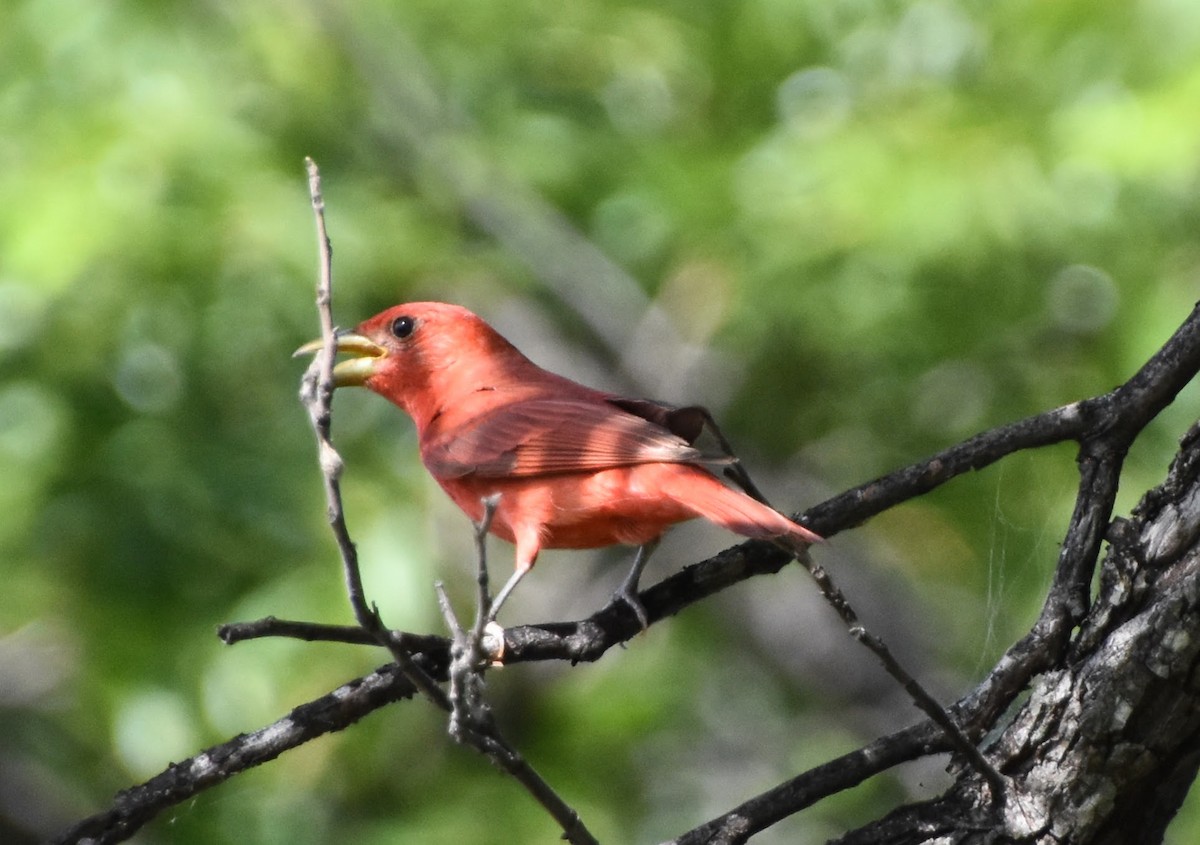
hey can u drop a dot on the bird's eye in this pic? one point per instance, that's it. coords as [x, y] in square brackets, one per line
[402, 327]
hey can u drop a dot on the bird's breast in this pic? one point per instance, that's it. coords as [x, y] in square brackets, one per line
[620, 505]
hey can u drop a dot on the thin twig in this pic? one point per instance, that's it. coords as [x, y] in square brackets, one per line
[834, 596]
[316, 393]
[483, 598]
[467, 659]
[471, 719]
[271, 626]
[926, 702]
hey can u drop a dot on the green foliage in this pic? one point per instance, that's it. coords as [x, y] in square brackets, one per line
[876, 229]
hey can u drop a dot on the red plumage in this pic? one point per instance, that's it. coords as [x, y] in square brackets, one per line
[574, 467]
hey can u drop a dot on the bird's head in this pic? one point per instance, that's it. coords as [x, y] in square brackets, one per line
[421, 354]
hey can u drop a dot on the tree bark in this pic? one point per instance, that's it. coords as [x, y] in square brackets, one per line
[1107, 744]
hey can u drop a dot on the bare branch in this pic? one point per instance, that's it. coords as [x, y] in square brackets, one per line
[470, 717]
[926, 702]
[316, 394]
[1104, 425]
[181, 781]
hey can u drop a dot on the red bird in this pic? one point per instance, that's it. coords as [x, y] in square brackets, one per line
[574, 467]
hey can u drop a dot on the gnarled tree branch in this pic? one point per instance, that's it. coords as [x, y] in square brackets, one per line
[1137, 636]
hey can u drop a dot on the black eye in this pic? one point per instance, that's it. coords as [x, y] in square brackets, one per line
[402, 327]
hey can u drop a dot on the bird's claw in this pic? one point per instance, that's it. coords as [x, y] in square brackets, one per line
[629, 596]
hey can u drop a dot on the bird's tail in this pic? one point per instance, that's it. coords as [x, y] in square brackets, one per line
[733, 509]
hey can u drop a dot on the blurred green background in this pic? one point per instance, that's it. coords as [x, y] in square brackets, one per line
[859, 231]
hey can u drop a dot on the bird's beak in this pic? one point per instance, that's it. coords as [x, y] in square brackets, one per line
[355, 371]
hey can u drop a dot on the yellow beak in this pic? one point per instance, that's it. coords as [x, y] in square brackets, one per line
[355, 371]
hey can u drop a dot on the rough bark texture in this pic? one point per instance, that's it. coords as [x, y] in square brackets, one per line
[1106, 746]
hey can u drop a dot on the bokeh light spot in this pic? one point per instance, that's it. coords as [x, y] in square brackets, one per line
[814, 102]
[1082, 299]
[21, 310]
[31, 423]
[148, 378]
[952, 398]
[152, 728]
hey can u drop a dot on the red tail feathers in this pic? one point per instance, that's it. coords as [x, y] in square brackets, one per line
[732, 509]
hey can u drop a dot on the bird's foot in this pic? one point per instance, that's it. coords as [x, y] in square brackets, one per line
[628, 591]
[628, 594]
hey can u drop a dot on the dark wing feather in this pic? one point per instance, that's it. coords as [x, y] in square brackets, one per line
[695, 425]
[547, 436]
[691, 422]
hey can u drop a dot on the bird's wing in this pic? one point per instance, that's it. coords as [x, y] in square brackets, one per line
[542, 436]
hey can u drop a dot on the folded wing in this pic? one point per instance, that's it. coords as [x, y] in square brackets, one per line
[543, 436]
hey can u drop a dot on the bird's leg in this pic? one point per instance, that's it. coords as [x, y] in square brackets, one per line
[528, 544]
[506, 590]
[628, 591]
